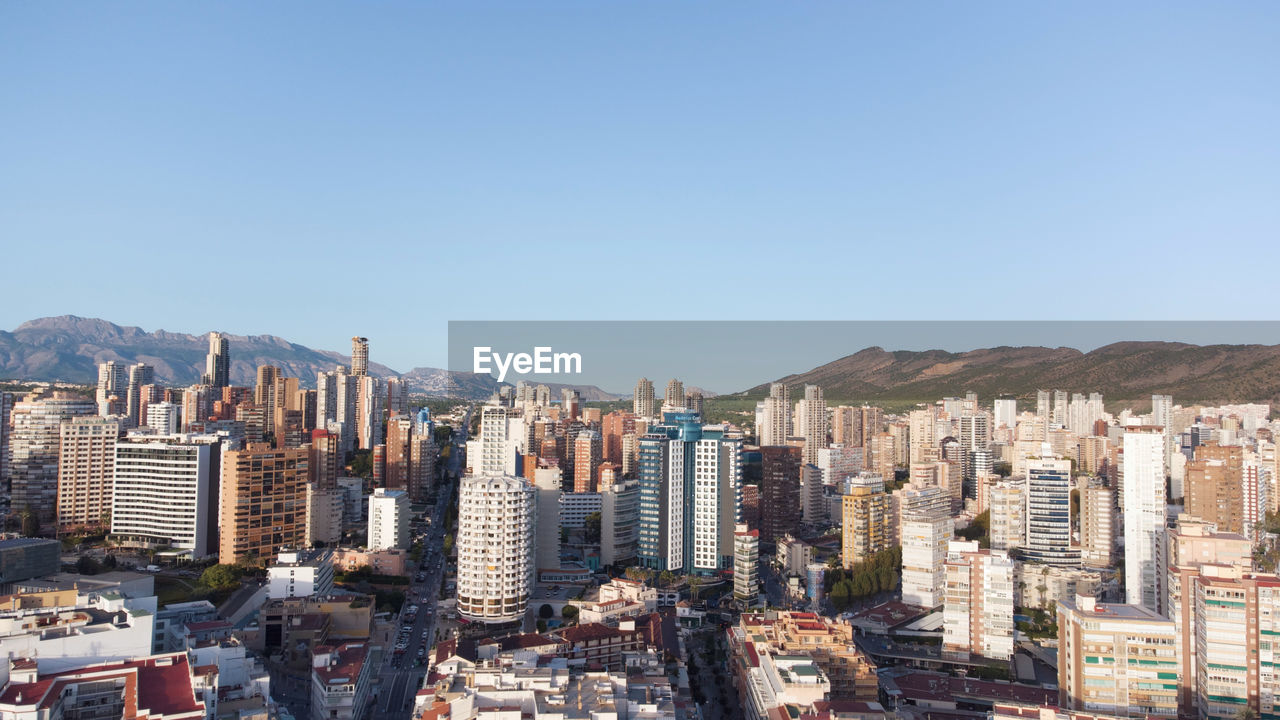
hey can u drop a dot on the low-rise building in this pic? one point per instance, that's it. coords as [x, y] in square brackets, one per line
[95, 628]
[793, 555]
[301, 573]
[382, 562]
[1042, 587]
[828, 642]
[340, 681]
[160, 687]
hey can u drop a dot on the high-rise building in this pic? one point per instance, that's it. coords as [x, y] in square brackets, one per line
[925, 530]
[1097, 524]
[746, 565]
[140, 375]
[388, 520]
[690, 479]
[779, 491]
[1144, 516]
[775, 421]
[359, 356]
[1096, 640]
[369, 399]
[397, 397]
[217, 364]
[674, 397]
[866, 525]
[815, 423]
[619, 522]
[977, 612]
[423, 454]
[1049, 513]
[587, 449]
[399, 451]
[693, 401]
[86, 469]
[113, 388]
[165, 494]
[1005, 412]
[495, 545]
[548, 489]
[1214, 486]
[1195, 548]
[1007, 515]
[613, 427]
[162, 417]
[263, 501]
[502, 440]
[642, 398]
[34, 441]
[197, 406]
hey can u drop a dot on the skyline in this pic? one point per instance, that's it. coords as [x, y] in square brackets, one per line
[722, 357]
[424, 148]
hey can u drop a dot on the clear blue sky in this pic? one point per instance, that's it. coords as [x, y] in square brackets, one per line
[316, 170]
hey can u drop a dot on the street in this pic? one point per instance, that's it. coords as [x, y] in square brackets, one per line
[401, 673]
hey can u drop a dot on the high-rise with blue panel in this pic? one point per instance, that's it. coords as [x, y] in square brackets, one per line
[690, 494]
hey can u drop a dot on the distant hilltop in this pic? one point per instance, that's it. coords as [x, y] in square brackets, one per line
[68, 348]
[1126, 373]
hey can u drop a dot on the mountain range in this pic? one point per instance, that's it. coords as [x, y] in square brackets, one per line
[68, 348]
[1126, 373]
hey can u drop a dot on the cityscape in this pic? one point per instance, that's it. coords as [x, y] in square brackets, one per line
[662, 360]
[342, 547]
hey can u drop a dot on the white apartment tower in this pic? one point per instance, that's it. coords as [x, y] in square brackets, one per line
[164, 494]
[642, 400]
[815, 424]
[388, 520]
[1144, 516]
[495, 548]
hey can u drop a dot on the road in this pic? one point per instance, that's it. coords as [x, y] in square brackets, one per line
[401, 674]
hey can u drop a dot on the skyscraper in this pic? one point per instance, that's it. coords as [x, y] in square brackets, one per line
[690, 478]
[1049, 512]
[779, 491]
[675, 394]
[977, 614]
[1144, 516]
[815, 424]
[263, 501]
[495, 548]
[1214, 486]
[865, 527]
[34, 442]
[140, 375]
[587, 448]
[776, 420]
[165, 494]
[113, 387]
[359, 356]
[217, 364]
[86, 468]
[642, 400]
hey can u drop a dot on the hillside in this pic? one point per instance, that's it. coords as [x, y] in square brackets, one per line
[1127, 374]
[69, 348]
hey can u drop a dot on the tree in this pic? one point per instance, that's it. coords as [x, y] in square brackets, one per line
[221, 577]
[87, 566]
[591, 528]
[840, 595]
[546, 612]
[570, 612]
[30, 522]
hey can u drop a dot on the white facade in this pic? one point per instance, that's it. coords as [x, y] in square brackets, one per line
[1144, 518]
[1048, 538]
[163, 495]
[1007, 510]
[1005, 411]
[575, 507]
[501, 440]
[746, 565]
[388, 520]
[924, 555]
[547, 483]
[61, 639]
[301, 574]
[163, 418]
[495, 548]
[977, 615]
